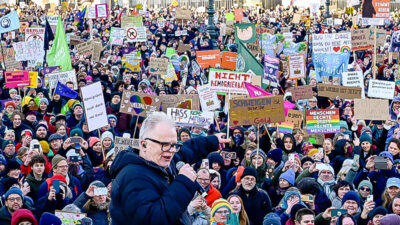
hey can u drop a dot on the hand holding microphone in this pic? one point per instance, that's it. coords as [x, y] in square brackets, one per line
[186, 170]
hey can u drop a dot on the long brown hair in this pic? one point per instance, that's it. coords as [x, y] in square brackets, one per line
[243, 218]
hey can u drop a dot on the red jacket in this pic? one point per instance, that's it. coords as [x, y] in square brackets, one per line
[25, 170]
[212, 195]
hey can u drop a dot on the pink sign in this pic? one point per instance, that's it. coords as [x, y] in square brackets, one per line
[17, 79]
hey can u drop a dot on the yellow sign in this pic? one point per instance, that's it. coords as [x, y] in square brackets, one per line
[139, 6]
[175, 3]
[33, 77]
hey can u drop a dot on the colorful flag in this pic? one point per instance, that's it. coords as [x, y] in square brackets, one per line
[59, 54]
[247, 62]
[48, 35]
[65, 109]
[80, 17]
[286, 127]
[245, 32]
[9, 22]
[65, 91]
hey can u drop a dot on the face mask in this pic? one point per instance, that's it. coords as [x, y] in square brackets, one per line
[237, 138]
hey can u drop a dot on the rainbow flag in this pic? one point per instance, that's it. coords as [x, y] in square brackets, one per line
[323, 121]
[286, 127]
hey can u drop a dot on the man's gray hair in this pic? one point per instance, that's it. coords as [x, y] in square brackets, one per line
[152, 120]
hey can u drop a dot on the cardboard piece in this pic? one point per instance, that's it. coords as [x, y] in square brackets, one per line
[97, 49]
[332, 91]
[361, 39]
[301, 92]
[183, 14]
[180, 101]
[123, 144]
[159, 65]
[85, 48]
[139, 104]
[294, 116]
[371, 109]
[192, 118]
[184, 48]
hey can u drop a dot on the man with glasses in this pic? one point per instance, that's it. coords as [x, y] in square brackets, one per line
[203, 178]
[256, 201]
[147, 188]
[13, 201]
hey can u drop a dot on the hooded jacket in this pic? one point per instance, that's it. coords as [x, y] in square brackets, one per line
[393, 114]
[340, 155]
[87, 205]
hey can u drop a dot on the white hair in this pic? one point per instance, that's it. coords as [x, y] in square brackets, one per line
[152, 120]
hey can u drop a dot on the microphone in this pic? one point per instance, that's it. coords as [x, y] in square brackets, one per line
[199, 188]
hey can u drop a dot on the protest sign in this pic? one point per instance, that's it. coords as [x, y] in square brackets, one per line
[297, 66]
[184, 48]
[12, 65]
[180, 101]
[131, 21]
[245, 32]
[139, 104]
[70, 218]
[208, 98]
[85, 48]
[354, 79]
[285, 127]
[159, 65]
[228, 60]
[271, 71]
[381, 89]
[29, 50]
[34, 33]
[63, 77]
[323, 121]
[361, 39]
[101, 11]
[121, 144]
[193, 118]
[132, 61]
[17, 79]
[330, 65]
[210, 58]
[91, 13]
[301, 92]
[75, 40]
[228, 81]
[95, 108]
[97, 48]
[371, 109]
[296, 18]
[135, 34]
[183, 14]
[315, 139]
[375, 12]
[332, 91]
[239, 15]
[294, 116]
[331, 43]
[254, 48]
[117, 36]
[179, 33]
[33, 78]
[257, 110]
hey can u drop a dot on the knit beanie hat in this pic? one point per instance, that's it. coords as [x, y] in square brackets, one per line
[287, 196]
[93, 141]
[59, 177]
[76, 132]
[276, 155]
[76, 104]
[56, 159]
[22, 215]
[365, 183]
[306, 159]
[5, 143]
[112, 116]
[326, 167]
[260, 153]
[272, 219]
[107, 134]
[351, 195]
[393, 181]
[14, 190]
[343, 124]
[97, 183]
[365, 137]
[44, 100]
[10, 103]
[289, 176]
[312, 152]
[219, 203]
[294, 210]
[391, 219]
[49, 219]
[249, 171]
[387, 154]
[380, 210]
[12, 165]
[55, 137]
[45, 146]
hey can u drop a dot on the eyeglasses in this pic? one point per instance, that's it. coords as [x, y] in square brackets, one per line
[365, 189]
[18, 199]
[222, 212]
[62, 167]
[166, 146]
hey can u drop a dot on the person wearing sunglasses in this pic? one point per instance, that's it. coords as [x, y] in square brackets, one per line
[148, 188]
[365, 188]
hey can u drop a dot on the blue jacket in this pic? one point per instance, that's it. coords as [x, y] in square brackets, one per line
[84, 202]
[145, 193]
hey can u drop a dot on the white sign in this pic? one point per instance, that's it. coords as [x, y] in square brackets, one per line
[180, 33]
[288, 36]
[208, 98]
[331, 43]
[136, 34]
[117, 36]
[228, 81]
[122, 143]
[192, 118]
[381, 89]
[354, 79]
[91, 13]
[63, 77]
[101, 11]
[338, 21]
[51, 19]
[297, 66]
[372, 21]
[95, 108]
[34, 33]
[29, 50]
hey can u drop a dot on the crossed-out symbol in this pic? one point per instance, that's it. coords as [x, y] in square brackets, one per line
[131, 33]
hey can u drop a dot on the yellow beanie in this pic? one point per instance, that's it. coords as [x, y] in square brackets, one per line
[312, 152]
[45, 146]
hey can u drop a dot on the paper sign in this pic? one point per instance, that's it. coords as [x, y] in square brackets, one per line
[315, 139]
[117, 36]
[17, 79]
[95, 108]
[323, 121]
[210, 58]
[33, 78]
[101, 11]
[371, 109]
[136, 34]
[332, 91]
[331, 43]
[258, 110]
[85, 48]
[34, 33]
[228, 81]
[354, 79]
[183, 14]
[97, 49]
[297, 66]
[159, 65]
[131, 61]
[179, 33]
[131, 21]
[208, 98]
[63, 77]
[375, 11]
[294, 116]
[139, 104]
[381, 89]
[91, 13]
[229, 60]
[180, 101]
[193, 118]
[121, 144]
[301, 92]
[69, 218]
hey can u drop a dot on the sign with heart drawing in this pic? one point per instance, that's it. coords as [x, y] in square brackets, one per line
[139, 104]
[331, 43]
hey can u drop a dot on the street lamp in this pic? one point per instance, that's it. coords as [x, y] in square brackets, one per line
[211, 27]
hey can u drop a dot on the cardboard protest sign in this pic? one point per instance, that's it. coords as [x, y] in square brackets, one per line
[135, 34]
[159, 65]
[63, 77]
[12, 65]
[330, 65]
[184, 48]
[331, 43]
[75, 40]
[323, 121]
[354, 79]
[193, 118]
[371, 109]
[97, 49]
[271, 71]
[208, 98]
[381, 89]
[254, 48]
[69, 218]
[139, 104]
[245, 32]
[121, 144]
[183, 14]
[17, 79]
[117, 36]
[375, 11]
[332, 91]
[301, 92]
[294, 116]
[361, 39]
[258, 110]
[85, 48]
[131, 21]
[180, 101]
[297, 66]
[228, 81]
[315, 139]
[210, 58]
[95, 107]
[228, 61]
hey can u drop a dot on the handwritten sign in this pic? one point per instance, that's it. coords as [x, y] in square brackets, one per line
[193, 118]
[63, 77]
[17, 79]
[95, 108]
[259, 110]
[180, 101]
[322, 121]
[294, 116]
[332, 91]
[361, 39]
[301, 92]
[85, 48]
[183, 14]
[354, 79]
[331, 43]
[208, 98]
[159, 65]
[139, 104]
[371, 109]
[297, 66]
[381, 89]
[70, 218]
[228, 81]
[123, 144]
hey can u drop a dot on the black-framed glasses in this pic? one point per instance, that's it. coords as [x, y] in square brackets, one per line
[166, 146]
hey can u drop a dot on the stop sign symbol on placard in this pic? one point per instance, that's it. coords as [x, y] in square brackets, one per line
[131, 33]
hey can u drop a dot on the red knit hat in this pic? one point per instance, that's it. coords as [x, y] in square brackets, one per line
[10, 103]
[93, 141]
[22, 215]
[58, 177]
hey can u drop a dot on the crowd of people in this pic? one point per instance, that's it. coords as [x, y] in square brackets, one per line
[236, 175]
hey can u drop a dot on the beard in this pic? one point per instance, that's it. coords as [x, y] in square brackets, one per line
[102, 206]
[247, 187]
